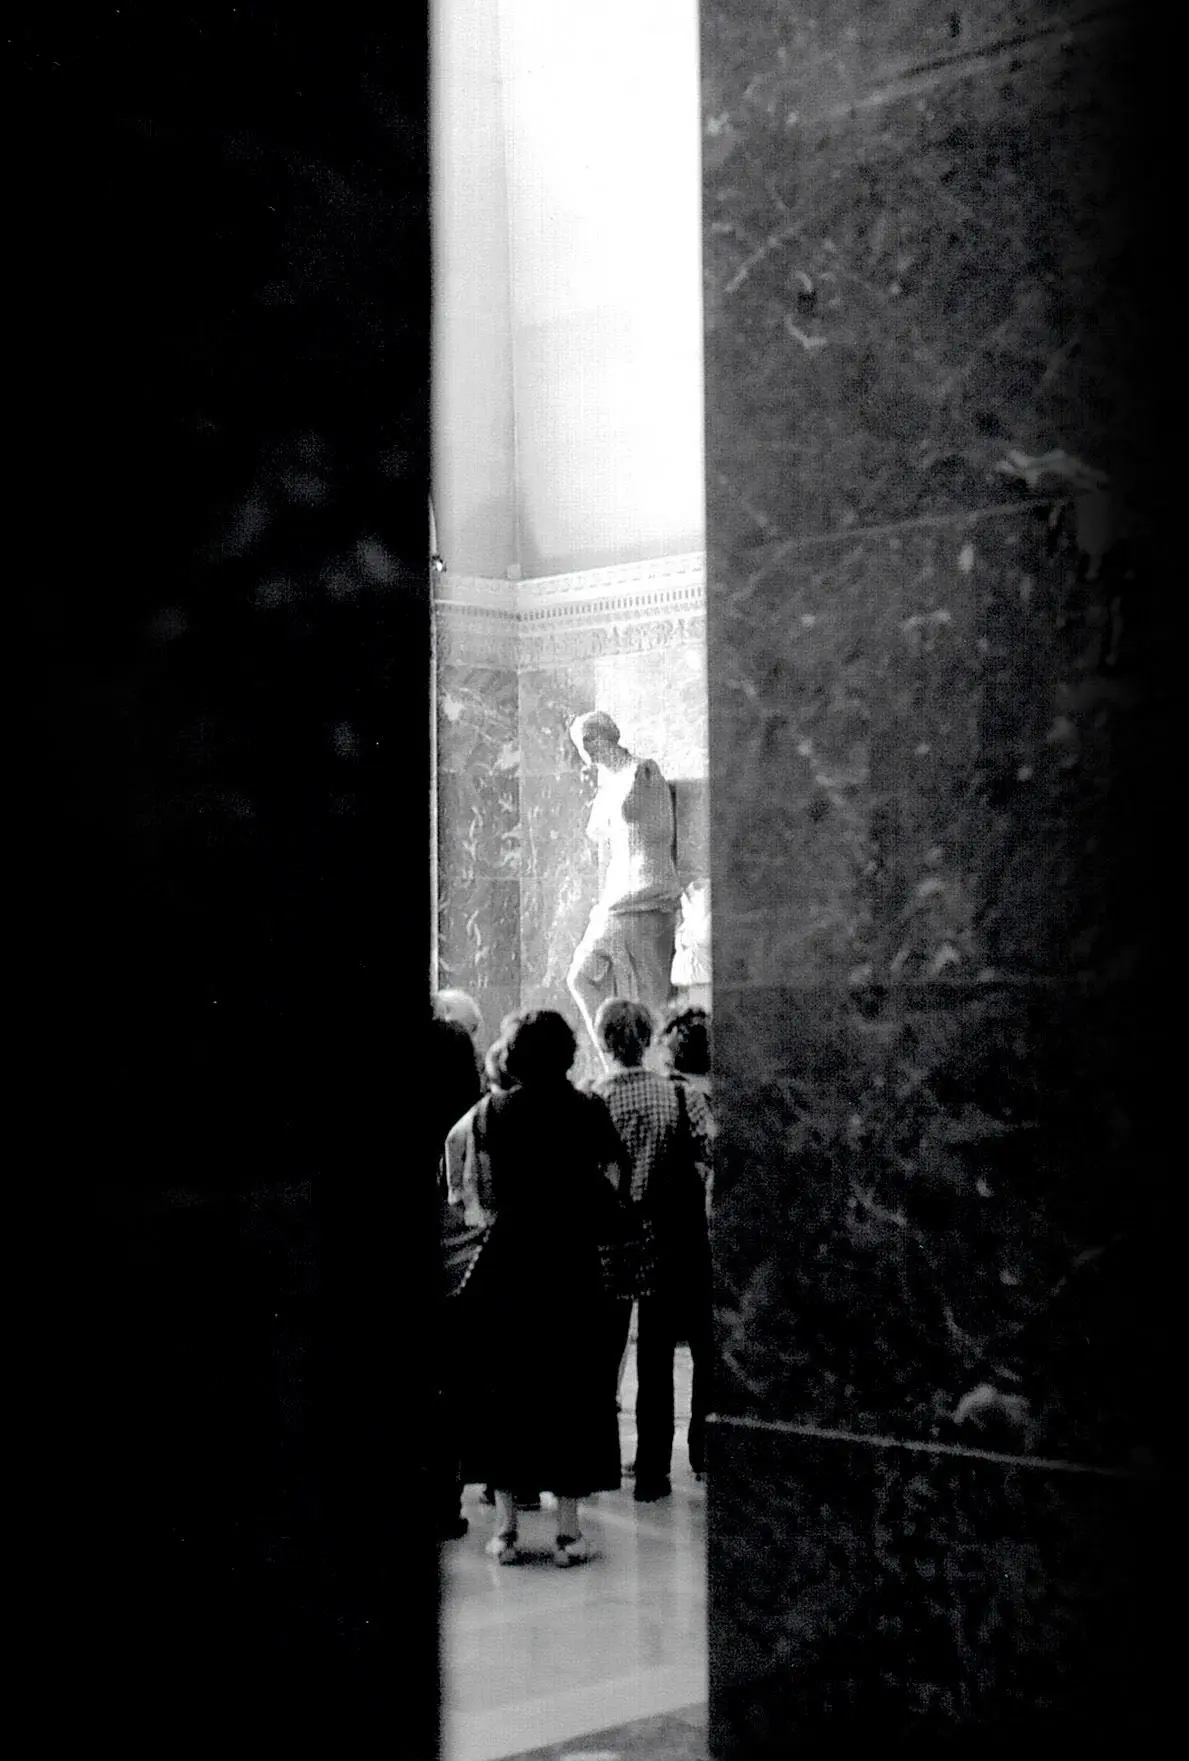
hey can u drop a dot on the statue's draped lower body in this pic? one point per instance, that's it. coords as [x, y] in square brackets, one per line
[624, 954]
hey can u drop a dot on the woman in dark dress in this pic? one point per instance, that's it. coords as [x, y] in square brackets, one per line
[538, 1385]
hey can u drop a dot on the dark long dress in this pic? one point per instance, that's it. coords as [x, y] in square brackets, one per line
[538, 1382]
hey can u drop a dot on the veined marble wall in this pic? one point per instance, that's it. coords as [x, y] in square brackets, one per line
[516, 663]
[478, 797]
[930, 628]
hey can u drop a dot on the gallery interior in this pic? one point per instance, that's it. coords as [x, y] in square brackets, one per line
[787, 382]
[568, 506]
[888, 230]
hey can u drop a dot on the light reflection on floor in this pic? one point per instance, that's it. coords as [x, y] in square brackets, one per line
[532, 1655]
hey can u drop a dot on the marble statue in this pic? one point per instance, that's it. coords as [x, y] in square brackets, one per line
[627, 948]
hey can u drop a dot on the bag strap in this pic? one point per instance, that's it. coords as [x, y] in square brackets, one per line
[683, 1125]
[683, 1140]
[665, 1187]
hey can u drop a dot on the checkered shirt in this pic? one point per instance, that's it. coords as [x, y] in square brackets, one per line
[644, 1107]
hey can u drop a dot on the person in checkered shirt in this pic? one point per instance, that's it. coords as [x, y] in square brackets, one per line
[665, 1128]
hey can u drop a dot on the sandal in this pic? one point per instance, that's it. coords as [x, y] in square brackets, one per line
[571, 1550]
[505, 1548]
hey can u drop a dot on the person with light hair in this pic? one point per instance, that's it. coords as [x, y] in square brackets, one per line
[455, 1005]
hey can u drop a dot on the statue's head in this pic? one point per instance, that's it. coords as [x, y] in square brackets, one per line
[596, 736]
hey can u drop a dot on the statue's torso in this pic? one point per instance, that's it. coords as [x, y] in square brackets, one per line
[632, 822]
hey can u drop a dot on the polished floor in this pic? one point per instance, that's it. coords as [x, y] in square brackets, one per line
[534, 1658]
[670, 1736]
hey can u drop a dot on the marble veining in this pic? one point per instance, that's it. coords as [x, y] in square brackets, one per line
[478, 831]
[932, 648]
[548, 700]
[478, 824]
[479, 936]
[477, 719]
[920, 738]
[852, 1587]
[899, 295]
[921, 1192]
[558, 890]
[798, 64]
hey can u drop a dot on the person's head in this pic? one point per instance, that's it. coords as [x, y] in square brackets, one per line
[495, 1061]
[624, 1031]
[685, 1041]
[450, 1005]
[493, 1065]
[452, 1044]
[596, 736]
[540, 1047]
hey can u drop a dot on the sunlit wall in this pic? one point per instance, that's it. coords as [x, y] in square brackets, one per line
[568, 380]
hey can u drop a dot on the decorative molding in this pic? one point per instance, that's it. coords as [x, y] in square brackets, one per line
[655, 584]
[589, 611]
[476, 621]
[567, 644]
[665, 579]
[476, 590]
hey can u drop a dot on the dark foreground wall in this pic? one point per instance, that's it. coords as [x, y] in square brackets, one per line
[942, 790]
[222, 268]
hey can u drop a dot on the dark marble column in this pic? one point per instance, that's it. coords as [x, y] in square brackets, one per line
[222, 915]
[940, 794]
